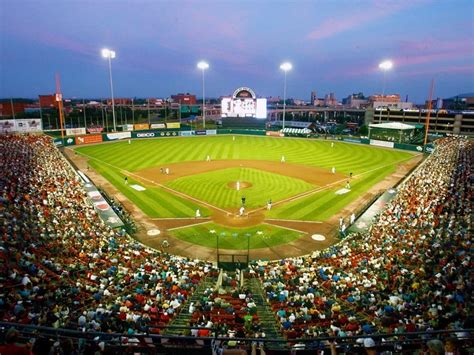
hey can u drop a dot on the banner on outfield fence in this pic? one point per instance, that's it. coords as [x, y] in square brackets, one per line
[381, 143]
[143, 135]
[141, 126]
[200, 133]
[95, 129]
[274, 134]
[186, 133]
[158, 126]
[69, 141]
[92, 138]
[351, 140]
[58, 142]
[168, 134]
[126, 127]
[29, 125]
[170, 125]
[21, 125]
[118, 135]
[211, 132]
[75, 131]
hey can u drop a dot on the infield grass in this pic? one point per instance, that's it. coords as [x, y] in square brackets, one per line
[213, 188]
[262, 236]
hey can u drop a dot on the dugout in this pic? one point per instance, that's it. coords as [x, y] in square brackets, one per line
[397, 132]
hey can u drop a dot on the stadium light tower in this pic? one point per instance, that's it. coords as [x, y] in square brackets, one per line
[203, 66]
[285, 67]
[384, 66]
[107, 53]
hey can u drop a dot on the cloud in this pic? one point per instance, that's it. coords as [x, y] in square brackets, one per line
[372, 12]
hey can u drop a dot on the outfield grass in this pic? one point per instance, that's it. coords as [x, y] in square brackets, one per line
[154, 202]
[212, 187]
[262, 236]
[144, 153]
[376, 163]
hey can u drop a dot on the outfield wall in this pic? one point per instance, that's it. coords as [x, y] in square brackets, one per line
[164, 133]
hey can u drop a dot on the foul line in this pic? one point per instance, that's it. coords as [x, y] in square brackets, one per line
[180, 218]
[153, 182]
[187, 226]
[291, 229]
[292, 220]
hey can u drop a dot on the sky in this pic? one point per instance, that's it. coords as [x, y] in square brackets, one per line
[334, 46]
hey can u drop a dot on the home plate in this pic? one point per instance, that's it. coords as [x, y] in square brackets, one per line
[318, 237]
[342, 191]
[138, 187]
[153, 232]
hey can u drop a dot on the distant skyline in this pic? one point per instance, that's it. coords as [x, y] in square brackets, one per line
[334, 46]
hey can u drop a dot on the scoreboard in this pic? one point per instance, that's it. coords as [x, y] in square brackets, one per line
[244, 103]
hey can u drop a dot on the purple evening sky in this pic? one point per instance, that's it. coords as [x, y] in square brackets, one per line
[335, 46]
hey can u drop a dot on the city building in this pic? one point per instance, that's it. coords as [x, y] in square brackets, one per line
[119, 101]
[12, 107]
[47, 101]
[184, 99]
[389, 101]
[355, 101]
[330, 100]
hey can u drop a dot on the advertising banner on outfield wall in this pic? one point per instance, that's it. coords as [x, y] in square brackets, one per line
[169, 134]
[29, 125]
[186, 133]
[7, 126]
[200, 133]
[211, 132]
[381, 143]
[118, 135]
[274, 134]
[126, 127]
[141, 126]
[58, 142]
[144, 134]
[92, 138]
[158, 126]
[95, 129]
[69, 141]
[173, 125]
[75, 131]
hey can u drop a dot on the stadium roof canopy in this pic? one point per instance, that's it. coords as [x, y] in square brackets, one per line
[393, 125]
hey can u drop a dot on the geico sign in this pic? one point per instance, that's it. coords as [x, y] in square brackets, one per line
[145, 135]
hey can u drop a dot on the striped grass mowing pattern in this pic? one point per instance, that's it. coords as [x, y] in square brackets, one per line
[262, 236]
[212, 187]
[146, 153]
[154, 202]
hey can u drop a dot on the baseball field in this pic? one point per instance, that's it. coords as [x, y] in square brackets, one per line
[206, 179]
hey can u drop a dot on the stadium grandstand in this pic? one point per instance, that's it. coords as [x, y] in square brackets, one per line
[73, 285]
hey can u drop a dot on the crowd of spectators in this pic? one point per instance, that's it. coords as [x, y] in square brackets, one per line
[61, 266]
[412, 271]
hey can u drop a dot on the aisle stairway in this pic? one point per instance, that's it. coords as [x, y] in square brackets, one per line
[265, 314]
[183, 317]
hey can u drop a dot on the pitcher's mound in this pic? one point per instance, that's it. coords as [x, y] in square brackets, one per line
[243, 185]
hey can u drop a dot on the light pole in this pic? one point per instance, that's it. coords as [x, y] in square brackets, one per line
[285, 67]
[107, 53]
[385, 65]
[203, 66]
